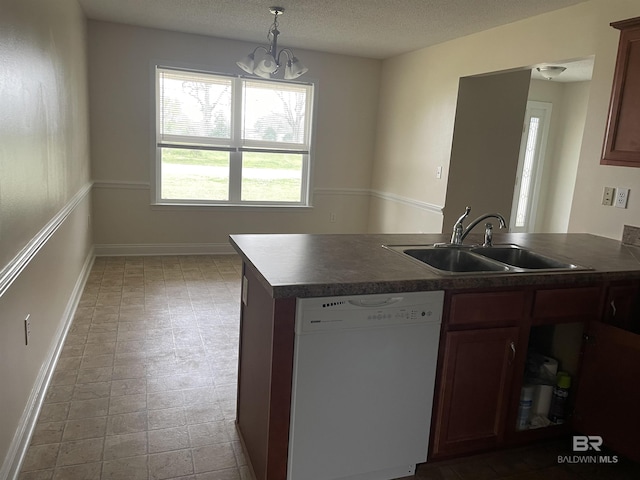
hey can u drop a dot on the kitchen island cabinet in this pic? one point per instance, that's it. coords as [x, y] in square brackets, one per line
[609, 394]
[277, 269]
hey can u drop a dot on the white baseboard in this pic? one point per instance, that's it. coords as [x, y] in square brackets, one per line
[111, 250]
[22, 438]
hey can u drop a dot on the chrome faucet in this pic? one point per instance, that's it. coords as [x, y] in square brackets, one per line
[460, 233]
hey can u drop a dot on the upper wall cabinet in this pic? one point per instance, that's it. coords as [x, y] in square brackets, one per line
[622, 141]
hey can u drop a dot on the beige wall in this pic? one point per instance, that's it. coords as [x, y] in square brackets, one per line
[44, 209]
[121, 89]
[418, 101]
[486, 142]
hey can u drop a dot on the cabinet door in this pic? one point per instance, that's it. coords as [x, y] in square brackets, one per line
[622, 142]
[477, 372]
[609, 391]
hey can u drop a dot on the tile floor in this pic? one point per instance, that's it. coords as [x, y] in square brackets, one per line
[145, 386]
[146, 382]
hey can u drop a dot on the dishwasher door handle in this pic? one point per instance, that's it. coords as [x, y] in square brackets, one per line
[376, 302]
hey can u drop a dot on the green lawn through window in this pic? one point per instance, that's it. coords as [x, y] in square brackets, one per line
[204, 175]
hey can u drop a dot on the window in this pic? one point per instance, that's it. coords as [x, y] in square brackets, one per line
[228, 140]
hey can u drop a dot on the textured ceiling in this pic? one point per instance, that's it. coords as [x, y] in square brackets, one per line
[368, 28]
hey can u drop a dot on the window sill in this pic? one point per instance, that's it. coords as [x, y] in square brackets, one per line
[225, 207]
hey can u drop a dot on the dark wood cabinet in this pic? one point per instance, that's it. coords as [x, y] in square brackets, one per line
[622, 140]
[609, 393]
[477, 372]
[479, 354]
[483, 353]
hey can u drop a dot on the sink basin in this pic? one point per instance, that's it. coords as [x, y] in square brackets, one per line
[519, 257]
[463, 259]
[454, 260]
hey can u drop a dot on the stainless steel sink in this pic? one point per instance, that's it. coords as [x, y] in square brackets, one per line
[462, 259]
[454, 260]
[519, 257]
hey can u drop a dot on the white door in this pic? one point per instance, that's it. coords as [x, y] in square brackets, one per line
[529, 173]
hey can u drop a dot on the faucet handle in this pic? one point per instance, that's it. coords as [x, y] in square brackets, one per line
[488, 235]
[466, 213]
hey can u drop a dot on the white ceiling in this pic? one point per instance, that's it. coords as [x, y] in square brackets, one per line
[368, 28]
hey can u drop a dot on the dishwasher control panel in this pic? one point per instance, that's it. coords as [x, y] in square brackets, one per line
[366, 311]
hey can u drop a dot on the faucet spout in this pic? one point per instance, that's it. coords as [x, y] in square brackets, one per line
[500, 218]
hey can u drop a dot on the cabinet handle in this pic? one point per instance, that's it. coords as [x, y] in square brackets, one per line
[613, 307]
[513, 352]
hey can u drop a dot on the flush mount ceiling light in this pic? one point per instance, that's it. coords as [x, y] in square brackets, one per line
[550, 72]
[269, 59]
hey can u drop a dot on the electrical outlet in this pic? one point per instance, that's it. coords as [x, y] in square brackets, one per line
[439, 172]
[332, 217]
[607, 196]
[622, 196]
[27, 329]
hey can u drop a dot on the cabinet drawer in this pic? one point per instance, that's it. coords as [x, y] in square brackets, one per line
[570, 303]
[490, 308]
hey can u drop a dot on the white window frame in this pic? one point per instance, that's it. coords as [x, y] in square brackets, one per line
[235, 146]
[542, 111]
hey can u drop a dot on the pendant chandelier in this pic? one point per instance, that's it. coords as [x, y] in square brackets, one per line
[269, 59]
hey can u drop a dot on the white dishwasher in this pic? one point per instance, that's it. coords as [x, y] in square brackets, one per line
[363, 382]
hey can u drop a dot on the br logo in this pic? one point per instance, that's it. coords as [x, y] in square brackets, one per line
[584, 443]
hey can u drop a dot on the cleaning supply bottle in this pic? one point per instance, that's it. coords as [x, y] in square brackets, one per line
[558, 408]
[524, 412]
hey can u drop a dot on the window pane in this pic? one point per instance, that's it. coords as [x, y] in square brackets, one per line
[194, 105]
[271, 177]
[194, 174]
[274, 112]
[527, 172]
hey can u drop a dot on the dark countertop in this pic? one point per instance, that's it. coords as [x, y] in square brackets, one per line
[302, 265]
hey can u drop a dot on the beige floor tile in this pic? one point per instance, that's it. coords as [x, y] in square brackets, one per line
[97, 407]
[85, 428]
[128, 386]
[213, 457]
[90, 391]
[121, 372]
[62, 377]
[160, 400]
[85, 471]
[128, 404]
[208, 434]
[168, 439]
[59, 393]
[40, 457]
[127, 423]
[94, 375]
[170, 464]
[166, 418]
[228, 474]
[54, 412]
[204, 413]
[37, 475]
[131, 468]
[47, 432]
[128, 445]
[80, 451]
